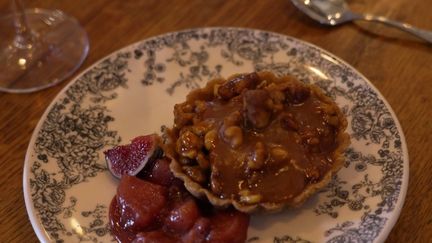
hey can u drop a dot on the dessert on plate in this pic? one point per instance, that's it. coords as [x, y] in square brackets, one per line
[256, 141]
[251, 142]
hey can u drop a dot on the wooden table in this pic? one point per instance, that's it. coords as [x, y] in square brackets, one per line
[398, 65]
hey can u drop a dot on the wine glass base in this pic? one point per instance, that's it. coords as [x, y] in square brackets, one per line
[60, 46]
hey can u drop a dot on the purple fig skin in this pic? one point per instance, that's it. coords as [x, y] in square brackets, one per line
[131, 158]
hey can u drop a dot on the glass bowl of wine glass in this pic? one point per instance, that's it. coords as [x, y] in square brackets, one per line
[38, 48]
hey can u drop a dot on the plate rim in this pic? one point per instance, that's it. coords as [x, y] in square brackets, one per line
[392, 217]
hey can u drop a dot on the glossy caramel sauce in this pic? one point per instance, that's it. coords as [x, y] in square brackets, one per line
[271, 137]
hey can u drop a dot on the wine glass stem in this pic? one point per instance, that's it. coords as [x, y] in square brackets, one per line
[24, 38]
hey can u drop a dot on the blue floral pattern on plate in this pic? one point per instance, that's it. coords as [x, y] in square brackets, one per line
[132, 92]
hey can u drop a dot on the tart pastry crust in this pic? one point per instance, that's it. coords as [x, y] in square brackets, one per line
[221, 130]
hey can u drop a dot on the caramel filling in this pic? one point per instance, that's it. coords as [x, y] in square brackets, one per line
[256, 138]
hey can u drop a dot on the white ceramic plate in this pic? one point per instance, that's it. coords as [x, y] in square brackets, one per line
[131, 92]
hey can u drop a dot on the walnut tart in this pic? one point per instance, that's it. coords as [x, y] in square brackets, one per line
[256, 141]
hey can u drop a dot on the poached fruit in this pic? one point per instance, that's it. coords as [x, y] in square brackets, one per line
[154, 206]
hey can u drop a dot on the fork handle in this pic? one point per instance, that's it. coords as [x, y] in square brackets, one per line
[423, 34]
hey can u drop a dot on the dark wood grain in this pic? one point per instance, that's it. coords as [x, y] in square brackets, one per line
[397, 64]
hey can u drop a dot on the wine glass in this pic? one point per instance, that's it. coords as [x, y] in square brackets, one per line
[38, 48]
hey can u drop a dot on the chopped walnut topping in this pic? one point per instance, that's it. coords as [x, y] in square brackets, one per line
[195, 173]
[279, 154]
[258, 157]
[296, 93]
[234, 136]
[236, 85]
[188, 144]
[256, 109]
[209, 139]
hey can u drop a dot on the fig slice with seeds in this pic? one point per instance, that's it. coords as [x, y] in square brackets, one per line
[130, 159]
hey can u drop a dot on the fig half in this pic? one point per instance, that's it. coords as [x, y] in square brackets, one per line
[130, 159]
